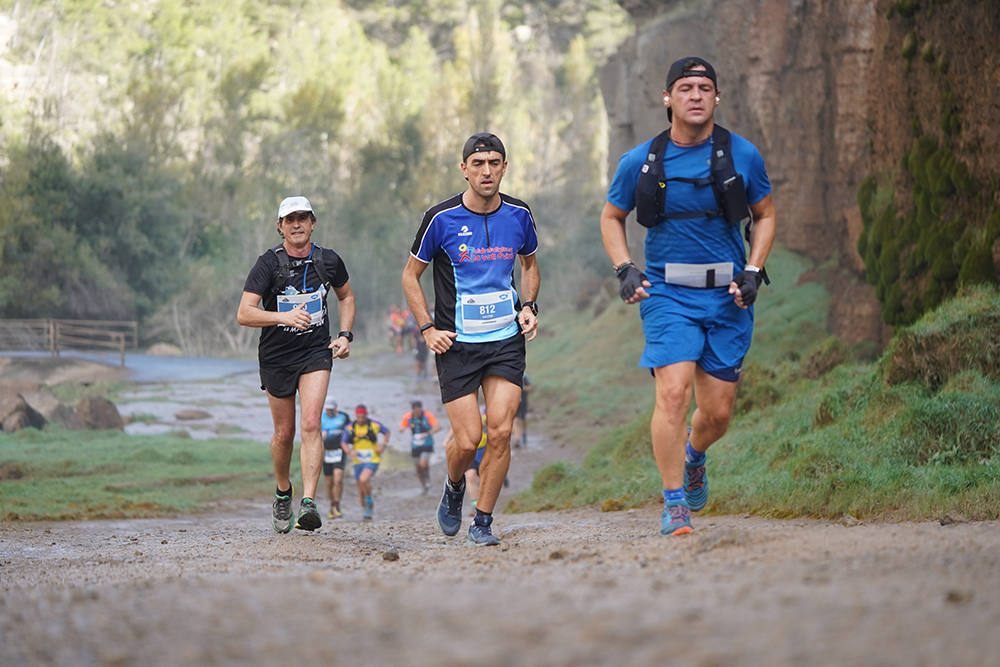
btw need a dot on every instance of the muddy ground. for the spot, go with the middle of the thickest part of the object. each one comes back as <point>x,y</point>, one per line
<point>577,587</point>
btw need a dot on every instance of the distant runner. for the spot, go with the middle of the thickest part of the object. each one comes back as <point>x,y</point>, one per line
<point>480,322</point>
<point>361,438</point>
<point>422,425</point>
<point>295,348</point>
<point>333,424</point>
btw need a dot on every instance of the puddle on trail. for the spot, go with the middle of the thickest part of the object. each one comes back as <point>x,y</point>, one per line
<point>237,407</point>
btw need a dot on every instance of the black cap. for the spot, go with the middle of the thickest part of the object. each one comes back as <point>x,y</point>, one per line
<point>689,66</point>
<point>416,404</point>
<point>483,141</point>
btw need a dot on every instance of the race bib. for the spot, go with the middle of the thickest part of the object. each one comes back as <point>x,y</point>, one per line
<point>312,300</point>
<point>333,455</point>
<point>482,313</point>
<point>419,440</point>
<point>364,455</point>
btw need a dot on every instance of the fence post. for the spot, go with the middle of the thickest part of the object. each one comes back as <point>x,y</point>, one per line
<point>51,328</point>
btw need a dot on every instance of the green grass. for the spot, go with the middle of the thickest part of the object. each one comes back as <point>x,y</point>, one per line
<point>820,428</point>
<point>59,474</point>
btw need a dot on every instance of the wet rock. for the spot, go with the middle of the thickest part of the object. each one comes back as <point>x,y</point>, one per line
<point>99,413</point>
<point>390,555</point>
<point>187,415</point>
<point>54,410</point>
<point>949,519</point>
<point>15,414</point>
<point>164,350</point>
<point>954,596</point>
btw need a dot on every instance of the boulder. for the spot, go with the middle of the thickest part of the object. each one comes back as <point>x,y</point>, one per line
<point>164,350</point>
<point>15,414</point>
<point>99,413</point>
<point>54,410</point>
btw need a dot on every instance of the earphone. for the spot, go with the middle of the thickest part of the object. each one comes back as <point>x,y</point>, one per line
<point>716,100</point>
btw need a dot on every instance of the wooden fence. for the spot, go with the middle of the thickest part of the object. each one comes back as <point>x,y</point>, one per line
<point>56,335</point>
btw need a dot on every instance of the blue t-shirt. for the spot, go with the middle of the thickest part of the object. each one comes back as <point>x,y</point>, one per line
<point>333,428</point>
<point>473,255</point>
<point>698,240</point>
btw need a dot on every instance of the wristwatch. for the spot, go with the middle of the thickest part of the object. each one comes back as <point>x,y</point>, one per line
<point>532,305</point>
<point>346,334</point>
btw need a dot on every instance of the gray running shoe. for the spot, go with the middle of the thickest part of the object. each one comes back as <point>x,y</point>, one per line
<point>308,516</point>
<point>281,512</point>
<point>481,536</point>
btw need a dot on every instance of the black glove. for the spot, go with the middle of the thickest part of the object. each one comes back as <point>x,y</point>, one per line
<point>748,282</point>
<point>631,279</point>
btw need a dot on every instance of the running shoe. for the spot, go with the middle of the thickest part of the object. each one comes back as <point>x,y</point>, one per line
<point>308,516</point>
<point>281,512</point>
<point>449,513</point>
<point>676,519</point>
<point>481,536</point>
<point>369,508</point>
<point>695,485</point>
<point>335,513</point>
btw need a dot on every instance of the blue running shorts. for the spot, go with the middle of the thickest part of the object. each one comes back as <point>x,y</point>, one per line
<point>700,325</point>
<point>358,467</point>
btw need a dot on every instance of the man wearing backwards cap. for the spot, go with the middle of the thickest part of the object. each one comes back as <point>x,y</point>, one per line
<point>481,321</point>
<point>291,281</point>
<point>696,293</point>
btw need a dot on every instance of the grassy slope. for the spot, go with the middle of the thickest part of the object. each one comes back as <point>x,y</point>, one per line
<point>817,432</point>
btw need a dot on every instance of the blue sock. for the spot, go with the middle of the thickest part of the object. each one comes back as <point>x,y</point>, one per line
<point>691,455</point>
<point>673,495</point>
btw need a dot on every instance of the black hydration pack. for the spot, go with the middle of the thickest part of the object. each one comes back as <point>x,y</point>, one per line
<point>285,268</point>
<point>727,186</point>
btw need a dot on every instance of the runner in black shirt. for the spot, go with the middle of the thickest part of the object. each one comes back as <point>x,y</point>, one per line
<point>291,282</point>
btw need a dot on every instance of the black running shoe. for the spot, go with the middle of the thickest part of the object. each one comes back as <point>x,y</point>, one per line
<point>308,516</point>
<point>281,513</point>
<point>449,512</point>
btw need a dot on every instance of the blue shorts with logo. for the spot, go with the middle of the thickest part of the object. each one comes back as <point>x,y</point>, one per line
<point>700,325</point>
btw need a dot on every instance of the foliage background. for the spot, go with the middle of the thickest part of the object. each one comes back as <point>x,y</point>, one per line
<point>145,151</point>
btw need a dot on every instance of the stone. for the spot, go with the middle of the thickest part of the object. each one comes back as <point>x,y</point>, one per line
<point>15,414</point>
<point>99,413</point>
<point>187,415</point>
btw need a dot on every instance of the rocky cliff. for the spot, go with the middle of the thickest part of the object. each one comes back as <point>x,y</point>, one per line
<point>822,90</point>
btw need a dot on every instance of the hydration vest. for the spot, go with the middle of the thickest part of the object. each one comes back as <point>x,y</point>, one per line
<point>727,186</point>
<point>285,268</point>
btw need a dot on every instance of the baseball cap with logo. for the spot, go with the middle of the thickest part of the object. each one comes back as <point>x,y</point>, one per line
<point>685,67</point>
<point>483,141</point>
<point>330,404</point>
<point>292,205</point>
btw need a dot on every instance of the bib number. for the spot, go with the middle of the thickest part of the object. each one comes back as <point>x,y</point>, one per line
<point>333,455</point>
<point>419,440</point>
<point>364,455</point>
<point>482,313</point>
<point>313,304</point>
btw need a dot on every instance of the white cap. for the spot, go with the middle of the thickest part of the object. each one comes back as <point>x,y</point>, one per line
<point>293,204</point>
<point>330,404</point>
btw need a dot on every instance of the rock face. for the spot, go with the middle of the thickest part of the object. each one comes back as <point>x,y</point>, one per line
<point>821,89</point>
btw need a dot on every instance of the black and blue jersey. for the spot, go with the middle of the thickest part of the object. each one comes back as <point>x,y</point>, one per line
<point>473,256</point>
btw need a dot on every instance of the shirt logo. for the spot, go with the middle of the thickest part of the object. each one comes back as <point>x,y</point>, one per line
<point>465,231</point>
<point>464,256</point>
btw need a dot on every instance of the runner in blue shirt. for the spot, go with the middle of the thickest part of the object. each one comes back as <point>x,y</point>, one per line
<point>332,423</point>
<point>480,321</point>
<point>699,286</point>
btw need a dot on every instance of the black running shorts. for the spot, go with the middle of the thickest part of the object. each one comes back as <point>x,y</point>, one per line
<point>282,382</point>
<point>462,368</point>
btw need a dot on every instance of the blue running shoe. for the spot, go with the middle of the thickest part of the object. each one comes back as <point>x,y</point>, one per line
<point>676,520</point>
<point>481,536</point>
<point>449,514</point>
<point>695,485</point>
<point>369,509</point>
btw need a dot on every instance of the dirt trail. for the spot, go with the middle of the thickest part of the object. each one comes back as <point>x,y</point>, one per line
<point>577,587</point>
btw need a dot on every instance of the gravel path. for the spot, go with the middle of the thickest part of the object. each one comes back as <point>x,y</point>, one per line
<point>577,587</point>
